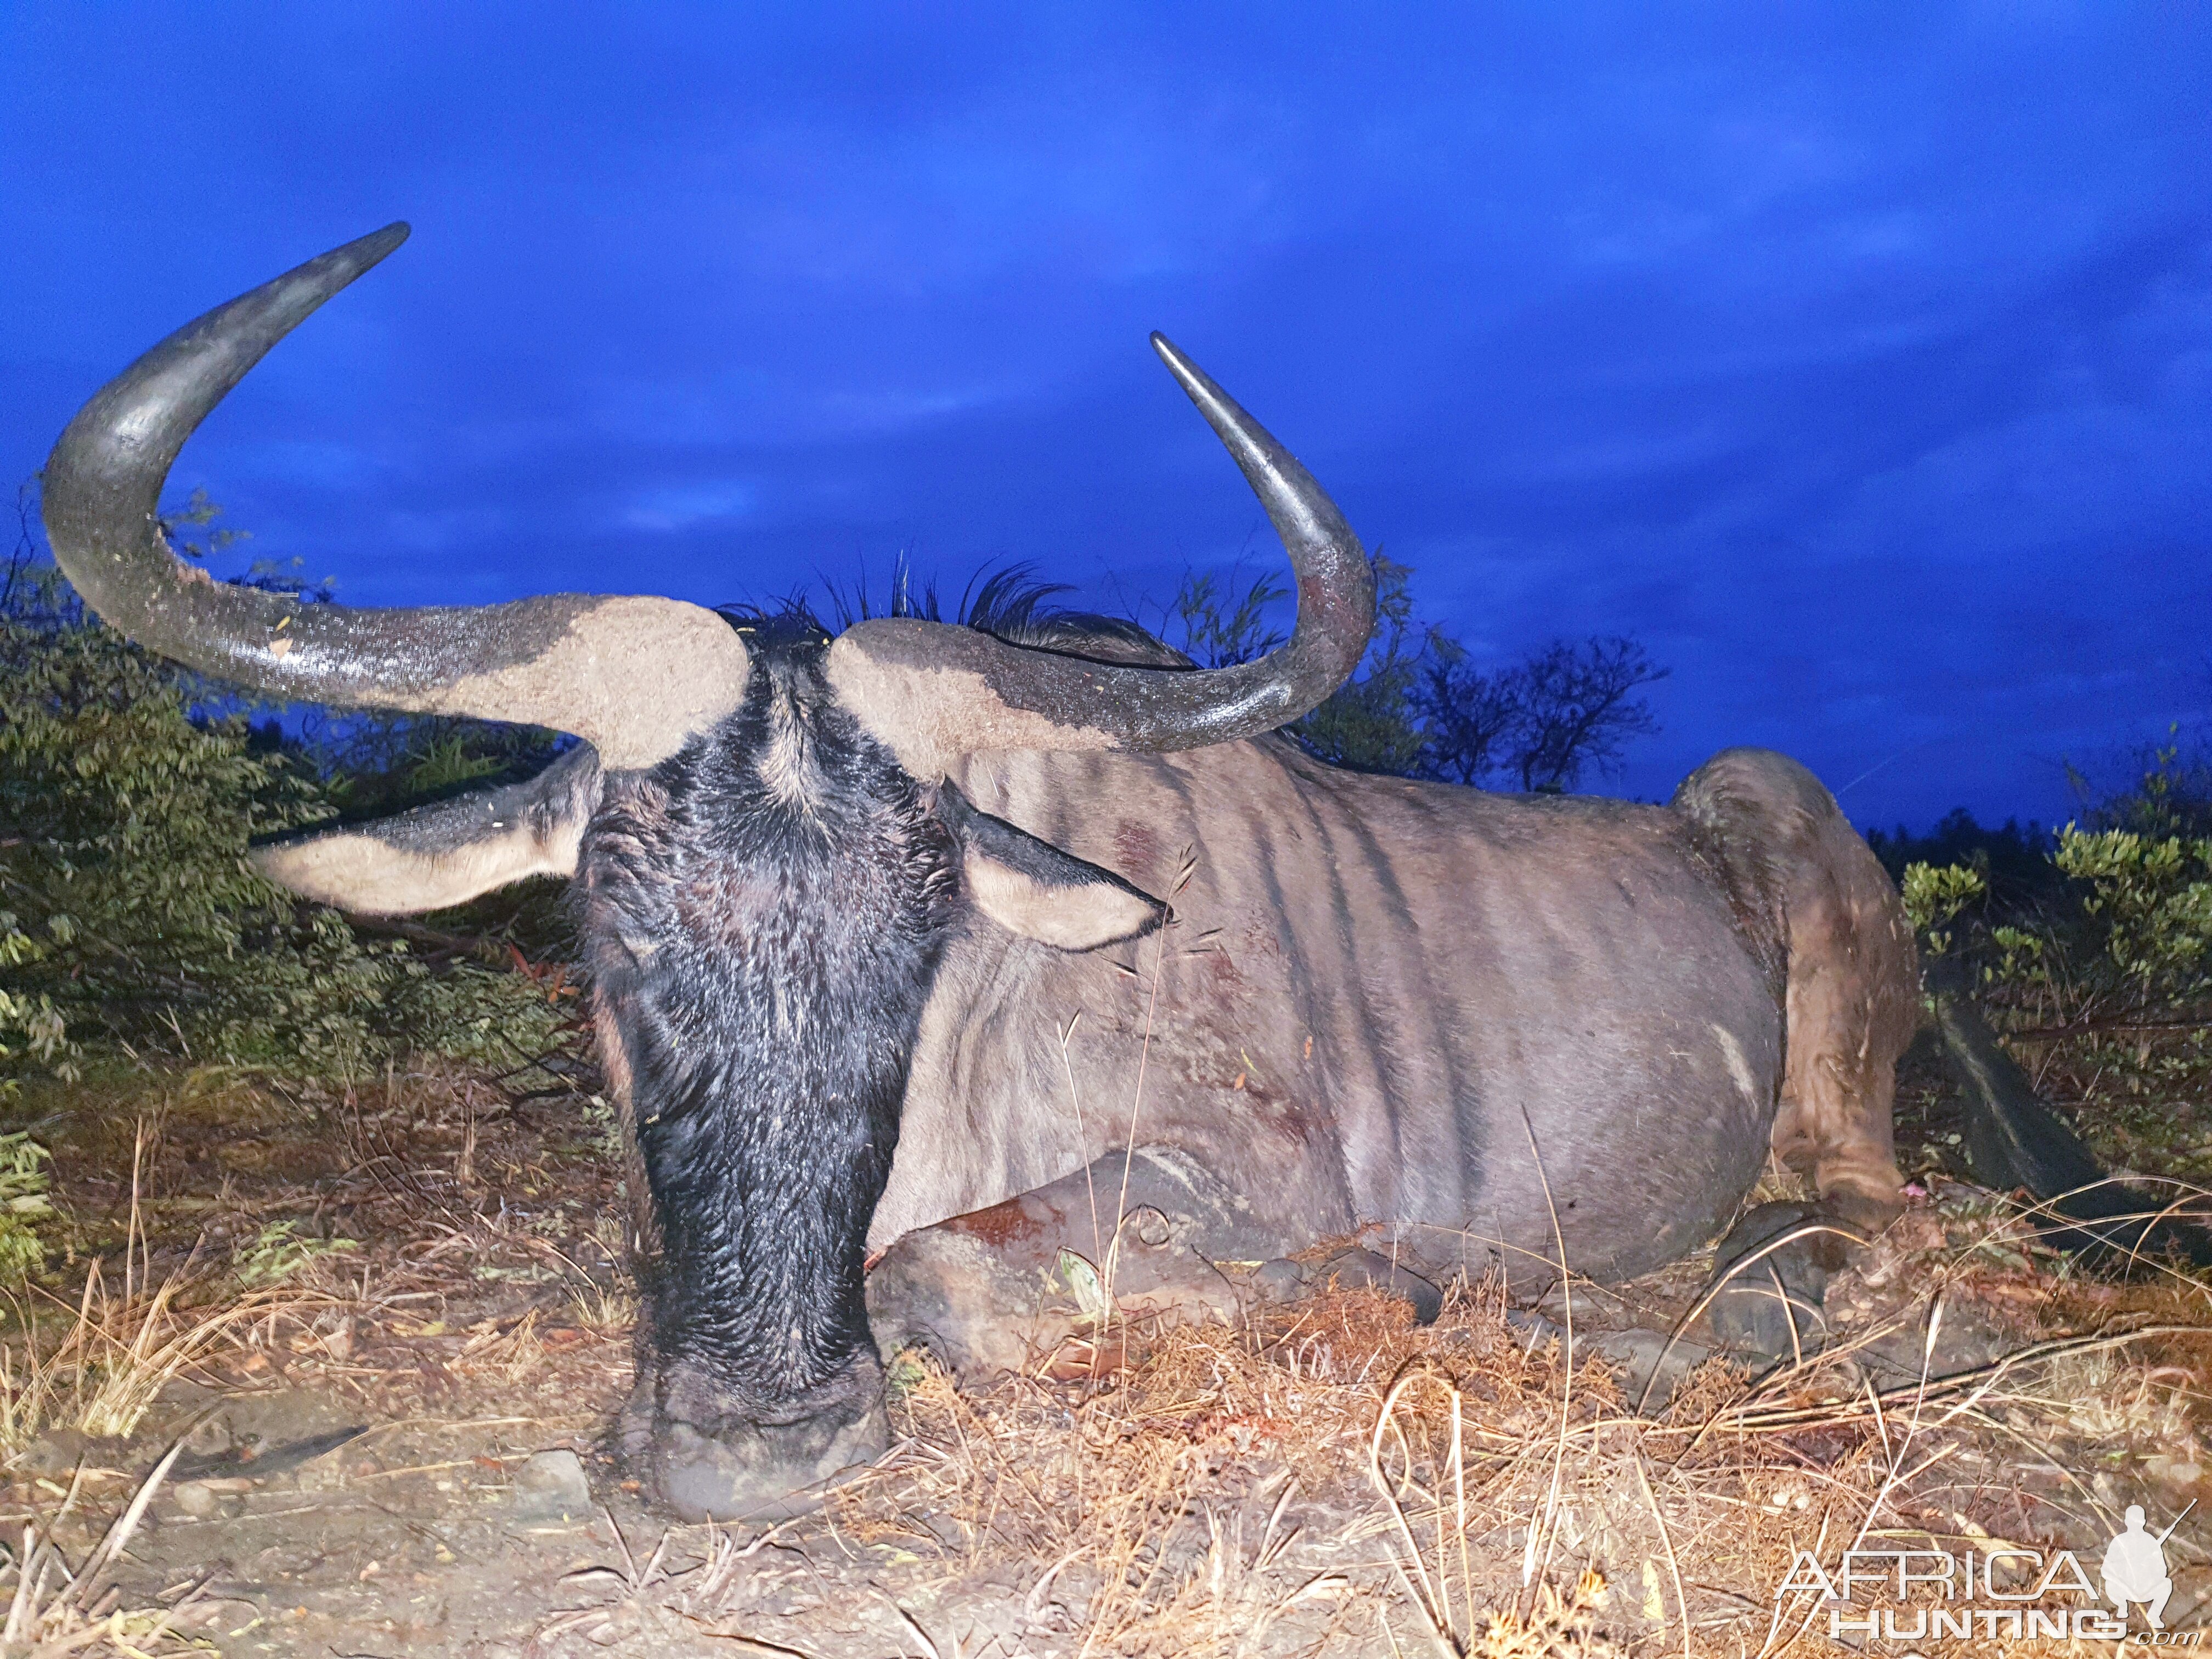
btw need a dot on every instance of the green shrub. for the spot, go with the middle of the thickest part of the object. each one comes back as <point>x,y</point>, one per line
<point>1934,896</point>
<point>128,915</point>
<point>2146,911</point>
<point>2014,858</point>
<point>2168,791</point>
<point>2132,937</point>
<point>23,1204</point>
<point>2101,975</point>
<point>1372,722</point>
<point>279,1250</point>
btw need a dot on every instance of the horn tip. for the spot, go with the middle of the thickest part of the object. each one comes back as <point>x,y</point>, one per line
<point>349,261</point>
<point>1188,375</point>
<point>378,243</point>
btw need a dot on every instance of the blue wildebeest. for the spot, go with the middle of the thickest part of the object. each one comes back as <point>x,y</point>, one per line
<point>875,931</point>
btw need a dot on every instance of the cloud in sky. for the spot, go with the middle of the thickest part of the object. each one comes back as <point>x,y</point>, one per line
<point>1860,364</point>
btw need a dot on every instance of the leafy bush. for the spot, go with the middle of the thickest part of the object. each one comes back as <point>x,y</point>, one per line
<point>2167,792</point>
<point>2124,933</point>
<point>2100,975</point>
<point>1934,895</point>
<point>128,916</point>
<point>371,764</point>
<point>23,1203</point>
<point>2013,859</point>
<point>279,1250</point>
<point>30,1016</point>
<point>2147,916</point>
<point>1372,722</point>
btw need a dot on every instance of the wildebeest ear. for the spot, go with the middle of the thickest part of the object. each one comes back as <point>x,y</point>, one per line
<point>447,852</point>
<point>1031,888</point>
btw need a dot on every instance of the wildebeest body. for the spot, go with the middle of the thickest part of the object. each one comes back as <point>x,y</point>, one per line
<point>893,935</point>
<point>1369,981</point>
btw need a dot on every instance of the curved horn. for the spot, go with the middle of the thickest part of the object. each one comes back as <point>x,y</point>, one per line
<point>632,675</point>
<point>933,692</point>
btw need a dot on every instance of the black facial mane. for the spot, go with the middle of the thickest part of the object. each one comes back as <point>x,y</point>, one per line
<point>763,916</point>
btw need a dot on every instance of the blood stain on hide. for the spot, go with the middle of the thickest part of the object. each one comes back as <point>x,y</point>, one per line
<point>998,1226</point>
<point>1138,849</point>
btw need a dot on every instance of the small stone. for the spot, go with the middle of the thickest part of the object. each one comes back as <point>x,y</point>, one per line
<point>2175,1472</point>
<point>1587,1306</point>
<point>196,1498</point>
<point>55,1453</point>
<point>1280,1280</point>
<point>551,1486</point>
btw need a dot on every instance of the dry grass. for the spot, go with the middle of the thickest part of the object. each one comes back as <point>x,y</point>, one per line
<point>53,1609</point>
<point>118,1354</point>
<point>1327,1479</point>
<point>659,1601</point>
<point>121,1348</point>
<point>1212,1496</point>
<point>472,1243</point>
<point>1334,1477</point>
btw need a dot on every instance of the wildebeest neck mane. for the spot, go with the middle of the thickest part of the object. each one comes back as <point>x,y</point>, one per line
<point>1013,604</point>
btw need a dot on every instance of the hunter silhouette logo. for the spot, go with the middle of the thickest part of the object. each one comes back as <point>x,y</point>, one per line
<point>2134,1567</point>
<point>2000,1589</point>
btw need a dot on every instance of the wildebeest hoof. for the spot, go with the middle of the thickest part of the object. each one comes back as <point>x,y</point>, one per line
<point>1766,1287</point>
<point>1868,1213</point>
<point>713,1459</point>
<point>1285,1280</point>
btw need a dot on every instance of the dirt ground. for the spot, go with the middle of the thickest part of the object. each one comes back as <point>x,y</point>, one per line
<point>379,1330</point>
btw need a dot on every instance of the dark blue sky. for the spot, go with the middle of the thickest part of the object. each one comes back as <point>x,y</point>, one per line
<point>1858,360</point>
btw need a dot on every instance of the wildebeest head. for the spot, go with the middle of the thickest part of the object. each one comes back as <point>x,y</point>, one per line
<point>768,852</point>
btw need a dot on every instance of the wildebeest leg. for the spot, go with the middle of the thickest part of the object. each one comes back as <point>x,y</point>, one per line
<point>1851,1010</point>
<point>987,1291</point>
<point>1808,890</point>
